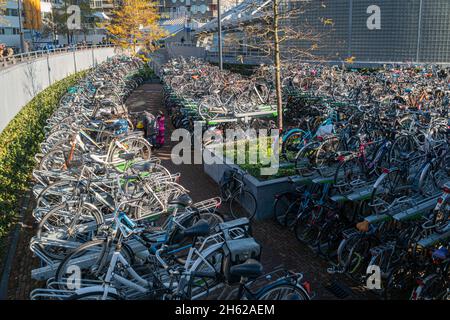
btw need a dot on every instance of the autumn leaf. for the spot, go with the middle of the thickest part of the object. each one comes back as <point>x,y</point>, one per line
<point>328,22</point>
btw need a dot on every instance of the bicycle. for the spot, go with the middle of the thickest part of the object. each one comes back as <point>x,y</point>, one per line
<point>242,203</point>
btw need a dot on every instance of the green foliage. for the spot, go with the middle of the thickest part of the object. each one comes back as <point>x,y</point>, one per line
<point>19,142</point>
<point>146,72</point>
<point>254,169</point>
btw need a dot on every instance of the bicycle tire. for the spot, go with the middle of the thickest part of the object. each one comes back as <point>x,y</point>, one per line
<point>243,204</point>
<point>282,291</point>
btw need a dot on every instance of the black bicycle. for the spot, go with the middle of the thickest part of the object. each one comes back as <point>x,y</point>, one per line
<point>242,203</point>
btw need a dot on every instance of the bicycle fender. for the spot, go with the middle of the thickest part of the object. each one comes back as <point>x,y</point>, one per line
<point>98,288</point>
<point>379,180</point>
<point>291,132</point>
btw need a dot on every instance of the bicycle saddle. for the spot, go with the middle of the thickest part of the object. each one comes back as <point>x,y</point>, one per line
<point>184,200</point>
<point>144,166</point>
<point>249,269</point>
<point>201,228</point>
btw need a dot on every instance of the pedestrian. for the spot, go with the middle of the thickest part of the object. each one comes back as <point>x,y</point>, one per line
<point>161,129</point>
<point>9,53</point>
<point>2,48</point>
<point>182,40</point>
<point>150,130</point>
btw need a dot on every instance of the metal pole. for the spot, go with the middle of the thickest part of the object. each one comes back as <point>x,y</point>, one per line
<point>219,34</point>
<point>19,11</point>
<point>350,28</point>
<point>74,60</point>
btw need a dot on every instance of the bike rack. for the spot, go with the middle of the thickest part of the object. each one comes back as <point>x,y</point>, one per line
<point>48,271</point>
<point>435,238</point>
<point>361,194</point>
<point>425,206</point>
<point>422,206</point>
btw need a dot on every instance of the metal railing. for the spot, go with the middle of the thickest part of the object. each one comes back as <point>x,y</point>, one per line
<point>33,55</point>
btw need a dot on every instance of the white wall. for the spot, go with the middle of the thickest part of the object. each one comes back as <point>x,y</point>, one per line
<point>21,82</point>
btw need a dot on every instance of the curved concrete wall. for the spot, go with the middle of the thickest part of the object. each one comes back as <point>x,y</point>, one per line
<point>21,82</point>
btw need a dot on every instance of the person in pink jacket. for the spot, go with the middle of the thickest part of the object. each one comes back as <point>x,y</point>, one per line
<point>161,130</point>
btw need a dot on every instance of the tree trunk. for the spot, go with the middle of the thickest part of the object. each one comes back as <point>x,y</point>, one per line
<point>277,65</point>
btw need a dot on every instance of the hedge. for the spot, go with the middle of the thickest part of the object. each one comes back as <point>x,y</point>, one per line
<point>19,142</point>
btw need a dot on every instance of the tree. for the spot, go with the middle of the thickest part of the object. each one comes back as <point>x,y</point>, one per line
<point>278,32</point>
<point>135,23</point>
<point>2,9</point>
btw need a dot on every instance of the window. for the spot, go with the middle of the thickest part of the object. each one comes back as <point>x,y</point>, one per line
<point>9,31</point>
<point>12,12</point>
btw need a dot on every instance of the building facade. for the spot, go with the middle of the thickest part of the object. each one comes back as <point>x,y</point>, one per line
<point>199,10</point>
<point>9,24</point>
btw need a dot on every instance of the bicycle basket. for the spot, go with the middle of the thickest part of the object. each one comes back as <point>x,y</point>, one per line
<point>236,252</point>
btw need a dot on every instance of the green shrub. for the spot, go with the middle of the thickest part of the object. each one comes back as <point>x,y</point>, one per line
<point>146,72</point>
<point>19,142</point>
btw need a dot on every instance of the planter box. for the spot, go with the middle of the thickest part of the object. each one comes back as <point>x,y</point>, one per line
<point>264,191</point>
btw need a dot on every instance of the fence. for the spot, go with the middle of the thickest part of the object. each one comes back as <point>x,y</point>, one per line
<point>34,72</point>
<point>367,30</point>
<point>25,57</point>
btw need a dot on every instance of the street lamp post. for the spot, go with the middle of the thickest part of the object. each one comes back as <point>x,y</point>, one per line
<point>219,34</point>
<point>19,14</point>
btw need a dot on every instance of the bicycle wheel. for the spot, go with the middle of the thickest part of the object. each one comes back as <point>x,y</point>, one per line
<point>291,145</point>
<point>400,283</point>
<point>100,295</point>
<point>243,204</point>
<point>281,206</point>
<point>140,147</point>
<point>329,237</point>
<point>302,229</point>
<point>56,193</point>
<point>305,159</point>
<point>386,189</point>
<point>201,286</point>
<point>283,291</point>
<point>54,160</point>
<point>92,258</point>
<point>208,108</point>
<point>349,174</point>
<point>326,156</point>
<point>403,149</point>
<point>68,222</point>
<point>353,254</point>
<point>434,287</point>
